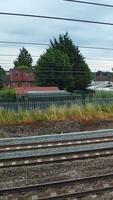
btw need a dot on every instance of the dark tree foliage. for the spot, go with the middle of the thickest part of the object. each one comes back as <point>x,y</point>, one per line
<point>52,69</point>
<point>24,59</point>
<point>2,77</point>
<point>81,74</point>
<point>78,75</point>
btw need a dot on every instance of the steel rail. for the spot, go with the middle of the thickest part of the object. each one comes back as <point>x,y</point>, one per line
<point>37,160</point>
<point>52,154</point>
<point>56,137</point>
<point>56,152</point>
<point>56,183</point>
<point>79,194</point>
<point>56,144</point>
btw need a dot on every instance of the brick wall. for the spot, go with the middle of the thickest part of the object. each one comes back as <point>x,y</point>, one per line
<point>21,77</point>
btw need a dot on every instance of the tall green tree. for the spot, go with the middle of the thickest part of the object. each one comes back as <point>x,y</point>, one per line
<point>24,59</point>
<point>52,68</point>
<point>79,74</point>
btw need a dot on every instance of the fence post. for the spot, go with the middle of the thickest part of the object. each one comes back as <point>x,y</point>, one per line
<point>83,99</point>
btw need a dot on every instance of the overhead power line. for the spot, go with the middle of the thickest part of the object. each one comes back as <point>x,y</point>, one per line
<point>87,59</point>
<point>91,3</point>
<point>94,47</point>
<point>7,55</point>
<point>13,55</point>
<point>6,63</point>
<point>34,56</point>
<point>56,18</point>
<point>65,71</point>
<point>29,43</point>
<point>11,64</point>
<point>46,44</point>
<point>100,59</point>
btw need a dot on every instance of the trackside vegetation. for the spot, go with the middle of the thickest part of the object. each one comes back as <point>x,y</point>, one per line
<point>87,113</point>
<point>103,94</point>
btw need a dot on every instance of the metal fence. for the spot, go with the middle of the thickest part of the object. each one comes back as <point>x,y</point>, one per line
<point>29,104</point>
<point>39,102</point>
<point>99,101</point>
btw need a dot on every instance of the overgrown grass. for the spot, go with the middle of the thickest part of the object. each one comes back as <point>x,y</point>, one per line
<point>103,94</point>
<point>80,113</point>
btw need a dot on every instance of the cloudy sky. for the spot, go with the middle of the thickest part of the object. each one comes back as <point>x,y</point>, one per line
<point>37,30</point>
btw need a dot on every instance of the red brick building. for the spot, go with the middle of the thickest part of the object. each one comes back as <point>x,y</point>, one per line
<point>21,77</point>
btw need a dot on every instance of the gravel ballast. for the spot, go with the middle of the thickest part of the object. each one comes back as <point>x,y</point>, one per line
<point>13,177</point>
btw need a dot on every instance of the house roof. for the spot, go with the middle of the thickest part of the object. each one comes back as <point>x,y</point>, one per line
<point>24,90</point>
<point>101,85</point>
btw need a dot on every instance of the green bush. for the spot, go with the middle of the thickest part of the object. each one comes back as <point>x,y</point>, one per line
<point>7,94</point>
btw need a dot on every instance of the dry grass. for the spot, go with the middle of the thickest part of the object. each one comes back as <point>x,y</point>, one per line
<point>80,113</point>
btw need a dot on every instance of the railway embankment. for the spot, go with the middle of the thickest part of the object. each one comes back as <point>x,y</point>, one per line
<point>52,127</point>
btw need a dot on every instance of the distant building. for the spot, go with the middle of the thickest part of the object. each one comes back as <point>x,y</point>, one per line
<point>21,77</point>
<point>7,82</point>
<point>104,76</point>
<point>101,85</point>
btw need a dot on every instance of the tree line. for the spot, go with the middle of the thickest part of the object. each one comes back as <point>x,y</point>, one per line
<point>61,65</point>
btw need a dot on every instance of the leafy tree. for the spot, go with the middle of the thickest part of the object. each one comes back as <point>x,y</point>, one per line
<point>24,59</point>
<point>52,68</point>
<point>79,74</point>
<point>2,77</point>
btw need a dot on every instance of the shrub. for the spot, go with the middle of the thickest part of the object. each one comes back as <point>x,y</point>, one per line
<point>7,94</point>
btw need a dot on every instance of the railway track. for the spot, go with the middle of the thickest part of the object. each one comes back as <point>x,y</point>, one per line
<point>28,151</point>
<point>38,145</point>
<point>41,188</point>
<point>57,140</point>
<point>60,155</point>
<point>57,148</point>
<point>40,142</point>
